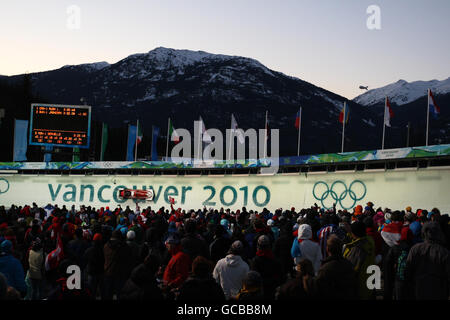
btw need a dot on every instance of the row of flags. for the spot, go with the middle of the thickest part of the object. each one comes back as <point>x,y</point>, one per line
<point>388,115</point>
<point>135,133</point>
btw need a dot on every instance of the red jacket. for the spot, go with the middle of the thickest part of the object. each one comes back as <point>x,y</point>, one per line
<point>177,269</point>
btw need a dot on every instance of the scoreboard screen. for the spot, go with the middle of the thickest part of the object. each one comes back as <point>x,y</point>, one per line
<point>60,125</point>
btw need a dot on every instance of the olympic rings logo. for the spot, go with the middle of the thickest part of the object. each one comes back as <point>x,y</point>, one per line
<point>331,191</point>
<point>4,185</point>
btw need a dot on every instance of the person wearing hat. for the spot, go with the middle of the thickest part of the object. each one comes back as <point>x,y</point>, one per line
<point>275,230</point>
<point>95,260</point>
<point>267,266</point>
<point>299,286</point>
<point>117,264</point>
<point>230,271</point>
<point>304,247</point>
<point>218,248</point>
<point>133,247</point>
<point>427,269</point>
<point>361,253</point>
<point>11,268</point>
<point>394,264</point>
<point>178,268</point>
<point>36,270</point>
<point>336,279</point>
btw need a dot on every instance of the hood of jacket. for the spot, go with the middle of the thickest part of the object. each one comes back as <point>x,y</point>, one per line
<point>233,260</point>
<point>304,232</point>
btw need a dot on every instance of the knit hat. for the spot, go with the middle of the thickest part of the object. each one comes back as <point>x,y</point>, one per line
<point>406,235</point>
<point>173,239</point>
<point>236,248</point>
<point>263,242</point>
<point>98,237</point>
<point>6,247</point>
<point>358,209</point>
<point>131,235</point>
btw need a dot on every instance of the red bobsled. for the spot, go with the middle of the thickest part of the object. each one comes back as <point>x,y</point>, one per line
<point>136,194</point>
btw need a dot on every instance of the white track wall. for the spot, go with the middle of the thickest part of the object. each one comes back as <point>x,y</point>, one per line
<point>425,189</point>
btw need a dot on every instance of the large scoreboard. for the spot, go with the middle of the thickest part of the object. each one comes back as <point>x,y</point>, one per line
<point>60,125</point>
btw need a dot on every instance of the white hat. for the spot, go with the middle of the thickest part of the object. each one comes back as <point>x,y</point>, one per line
<point>270,222</point>
<point>131,235</point>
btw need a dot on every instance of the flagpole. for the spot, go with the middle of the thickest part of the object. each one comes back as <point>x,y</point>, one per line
<point>231,138</point>
<point>428,116</point>
<point>343,126</point>
<point>167,144</point>
<point>299,129</point>
<point>265,136</point>
<point>128,139</point>
<point>384,122</point>
<point>135,141</point>
<point>201,138</point>
<point>151,145</point>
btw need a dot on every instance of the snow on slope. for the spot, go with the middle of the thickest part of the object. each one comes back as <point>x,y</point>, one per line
<point>403,92</point>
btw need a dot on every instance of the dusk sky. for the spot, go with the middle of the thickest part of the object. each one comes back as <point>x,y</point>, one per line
<point>325,42</point>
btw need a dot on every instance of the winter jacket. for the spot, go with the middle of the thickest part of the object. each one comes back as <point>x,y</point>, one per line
<point>303,247</point>
<point>281,250</point>
<point>194,246</point>
<point>292,290</point>
<point>377,239</point>
<point>229,272</point>
<point>13,271</point>
<point>361,253</point>
<point>270,270</point>
<point>219,248</point>
<point>428,271</point>
<point>117,259</point>
<point>36,264</point>
<point>177,270</point>
<point>134,253</point>
<point>95,259</point>
<point>198,289</point>
<point>393,273</point>
<point>336,279</point>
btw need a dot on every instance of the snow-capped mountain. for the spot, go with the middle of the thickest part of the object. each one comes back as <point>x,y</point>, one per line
<point>184,84</point>
<point>403,92</point>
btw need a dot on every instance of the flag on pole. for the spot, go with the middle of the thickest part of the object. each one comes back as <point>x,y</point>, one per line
<point>104,141</point>
<point>173,135</point>
<point>267,126</point>
<point>297,120</point>
<point>131,142</point>
<point>139,135</point>
<point>155,134</point>
<point>234,127</point>
<point>206,136</point>
<point>435,110</point>
<point>388,114</point>
<point>48,153</point>
<point>344,112</point>
<point>20,140</point>
<point>54,258</point>
<point>76,155</point>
